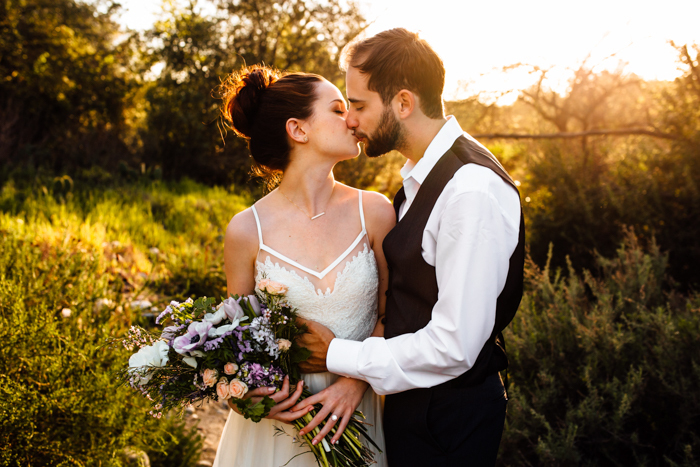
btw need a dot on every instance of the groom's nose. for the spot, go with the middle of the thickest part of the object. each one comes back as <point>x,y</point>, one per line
<point>351,120</point>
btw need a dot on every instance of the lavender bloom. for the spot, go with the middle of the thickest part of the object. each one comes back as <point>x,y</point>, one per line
<point>196,337</point>
<point>165,313</point>
<point>215,343</point>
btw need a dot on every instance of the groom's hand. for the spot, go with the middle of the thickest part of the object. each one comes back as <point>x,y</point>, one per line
<point>317,341</point>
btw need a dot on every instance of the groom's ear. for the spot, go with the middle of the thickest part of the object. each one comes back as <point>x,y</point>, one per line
<point>405,103</point>
<point>295,130</point>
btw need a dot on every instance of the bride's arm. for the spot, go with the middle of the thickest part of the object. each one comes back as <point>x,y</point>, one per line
<point>240,252</point>
<point>344,396</point>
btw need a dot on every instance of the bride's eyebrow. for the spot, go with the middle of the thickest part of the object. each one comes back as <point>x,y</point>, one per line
<point>338,100</point>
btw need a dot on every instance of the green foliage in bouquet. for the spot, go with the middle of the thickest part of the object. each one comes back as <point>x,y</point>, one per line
<point>604,370</point>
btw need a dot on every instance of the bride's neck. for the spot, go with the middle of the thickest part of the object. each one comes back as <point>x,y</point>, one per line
<point>309,185</point>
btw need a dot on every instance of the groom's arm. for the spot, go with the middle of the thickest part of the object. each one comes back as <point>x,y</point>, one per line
<point>476,237</point>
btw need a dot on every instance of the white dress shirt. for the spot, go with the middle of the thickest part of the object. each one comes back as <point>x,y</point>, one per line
<point>470,236</point>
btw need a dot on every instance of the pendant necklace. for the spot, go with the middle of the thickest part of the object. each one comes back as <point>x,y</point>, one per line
<point>304,212</point>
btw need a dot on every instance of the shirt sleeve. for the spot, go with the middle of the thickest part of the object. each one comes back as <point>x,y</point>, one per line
<point>473,247</point>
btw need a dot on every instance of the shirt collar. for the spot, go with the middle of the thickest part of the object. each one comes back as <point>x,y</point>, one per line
<point>442,142</point>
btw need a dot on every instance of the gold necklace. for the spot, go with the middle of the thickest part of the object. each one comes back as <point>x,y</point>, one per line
<point>304,212</point>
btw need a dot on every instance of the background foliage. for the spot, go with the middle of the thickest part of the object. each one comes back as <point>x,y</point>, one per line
<point>100,126</point>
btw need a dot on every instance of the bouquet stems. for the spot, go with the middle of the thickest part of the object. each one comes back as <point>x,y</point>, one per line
<point>348,451</point>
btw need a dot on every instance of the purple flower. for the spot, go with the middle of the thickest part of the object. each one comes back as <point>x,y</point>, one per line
<point>233,310</point>
<point>253,300</point>
<point>195,337</point>
<point>165,313</point>
<point>169,332</point>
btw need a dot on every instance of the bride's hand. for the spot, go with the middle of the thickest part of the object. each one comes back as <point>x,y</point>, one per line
<point>282,399</point>
<point>340,399</point>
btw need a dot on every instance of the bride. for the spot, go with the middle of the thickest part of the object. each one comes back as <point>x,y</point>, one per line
<point>317,236</point>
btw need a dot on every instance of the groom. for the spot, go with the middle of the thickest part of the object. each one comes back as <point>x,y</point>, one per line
<point>455,265</point>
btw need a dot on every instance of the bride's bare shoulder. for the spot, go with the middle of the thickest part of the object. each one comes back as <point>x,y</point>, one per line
<point>242,232</point>
<point>378,209</point>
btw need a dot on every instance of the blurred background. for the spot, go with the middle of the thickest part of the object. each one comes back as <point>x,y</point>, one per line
<point>117,180</point>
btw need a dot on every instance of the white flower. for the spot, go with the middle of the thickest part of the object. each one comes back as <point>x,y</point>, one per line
<point>155,355</point>
<point>66,312</point>
<point>221,330</point>
<point>216,317</point>
<point>191,361</point>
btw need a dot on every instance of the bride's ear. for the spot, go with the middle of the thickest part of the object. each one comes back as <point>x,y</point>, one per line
<point>295,131</point>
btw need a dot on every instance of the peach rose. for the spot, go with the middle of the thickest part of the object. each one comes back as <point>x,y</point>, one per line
<point>222,389</point>
<point>210,376</point>
<point>230,368</point>
<point>237,388</point>
<point>272,287</point>
<point>283,344</point>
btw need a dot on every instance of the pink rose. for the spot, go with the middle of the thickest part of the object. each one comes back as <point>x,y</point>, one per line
<point>237,389</point>
<point>210,376</point>
<point>272,287</point>
<point>222,389</point>
<point>230,368</point>
<point>283,344</point>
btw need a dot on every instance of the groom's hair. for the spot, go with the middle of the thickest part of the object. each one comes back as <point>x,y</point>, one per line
<point>398,59</point>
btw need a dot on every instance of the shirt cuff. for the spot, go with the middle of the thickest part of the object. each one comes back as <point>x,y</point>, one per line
<point>342,356</point>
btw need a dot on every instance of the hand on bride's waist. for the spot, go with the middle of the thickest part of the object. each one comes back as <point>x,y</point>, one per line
<point>316,340</point>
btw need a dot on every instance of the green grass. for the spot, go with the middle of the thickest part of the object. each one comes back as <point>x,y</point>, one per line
<point>65,250</point>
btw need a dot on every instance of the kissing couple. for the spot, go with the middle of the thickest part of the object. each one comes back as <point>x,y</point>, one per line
<point>407,300</point>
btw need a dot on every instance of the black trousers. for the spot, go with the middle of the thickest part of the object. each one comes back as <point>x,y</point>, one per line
<point>445,426</point>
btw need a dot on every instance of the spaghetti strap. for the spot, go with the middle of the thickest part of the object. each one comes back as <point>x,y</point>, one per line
<point>322,274</point>
<point>257,222</point>
<point>362,213</point>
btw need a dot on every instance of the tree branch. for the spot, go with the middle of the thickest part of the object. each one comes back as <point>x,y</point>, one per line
<point>580,134</point>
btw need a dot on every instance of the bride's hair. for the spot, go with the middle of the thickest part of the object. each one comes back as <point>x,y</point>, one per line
<point>257,102</point>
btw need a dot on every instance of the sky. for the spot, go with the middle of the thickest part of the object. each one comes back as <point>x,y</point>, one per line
<point>476,39</point>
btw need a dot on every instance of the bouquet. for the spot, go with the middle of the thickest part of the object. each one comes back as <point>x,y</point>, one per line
<point>213,352</point>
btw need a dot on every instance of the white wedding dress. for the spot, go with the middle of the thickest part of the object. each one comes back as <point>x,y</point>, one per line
<point>349,310</point>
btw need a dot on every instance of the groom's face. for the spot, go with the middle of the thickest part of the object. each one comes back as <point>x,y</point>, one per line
<point>373,123</point>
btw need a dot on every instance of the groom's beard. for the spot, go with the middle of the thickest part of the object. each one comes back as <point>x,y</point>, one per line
<point>388,136</point>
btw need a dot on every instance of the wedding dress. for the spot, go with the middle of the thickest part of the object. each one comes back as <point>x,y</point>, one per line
<point>349,309</point>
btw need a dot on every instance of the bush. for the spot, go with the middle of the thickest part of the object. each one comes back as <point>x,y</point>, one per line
<point>63,251</point>
<point>605,369</point>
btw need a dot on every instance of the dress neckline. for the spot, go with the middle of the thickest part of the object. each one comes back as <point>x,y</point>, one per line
<point>322,274</point>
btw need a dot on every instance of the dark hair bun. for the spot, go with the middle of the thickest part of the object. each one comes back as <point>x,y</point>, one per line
<point>242,93</point>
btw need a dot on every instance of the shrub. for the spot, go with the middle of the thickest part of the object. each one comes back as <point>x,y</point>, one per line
<point>64,250</point>
<point>604,369</point>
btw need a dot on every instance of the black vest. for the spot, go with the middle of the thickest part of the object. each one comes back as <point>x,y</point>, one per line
<point>413,288</point>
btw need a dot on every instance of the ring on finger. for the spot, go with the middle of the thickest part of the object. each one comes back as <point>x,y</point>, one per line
<point>334,417</point>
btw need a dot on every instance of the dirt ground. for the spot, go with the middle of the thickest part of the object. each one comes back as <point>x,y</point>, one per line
<point>210,419</point>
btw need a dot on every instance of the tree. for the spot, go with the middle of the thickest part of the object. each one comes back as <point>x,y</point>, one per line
<point>183,133</point>
<point>64,83</point>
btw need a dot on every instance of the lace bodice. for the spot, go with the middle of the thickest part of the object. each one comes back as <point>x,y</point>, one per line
<point>350,308</point>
